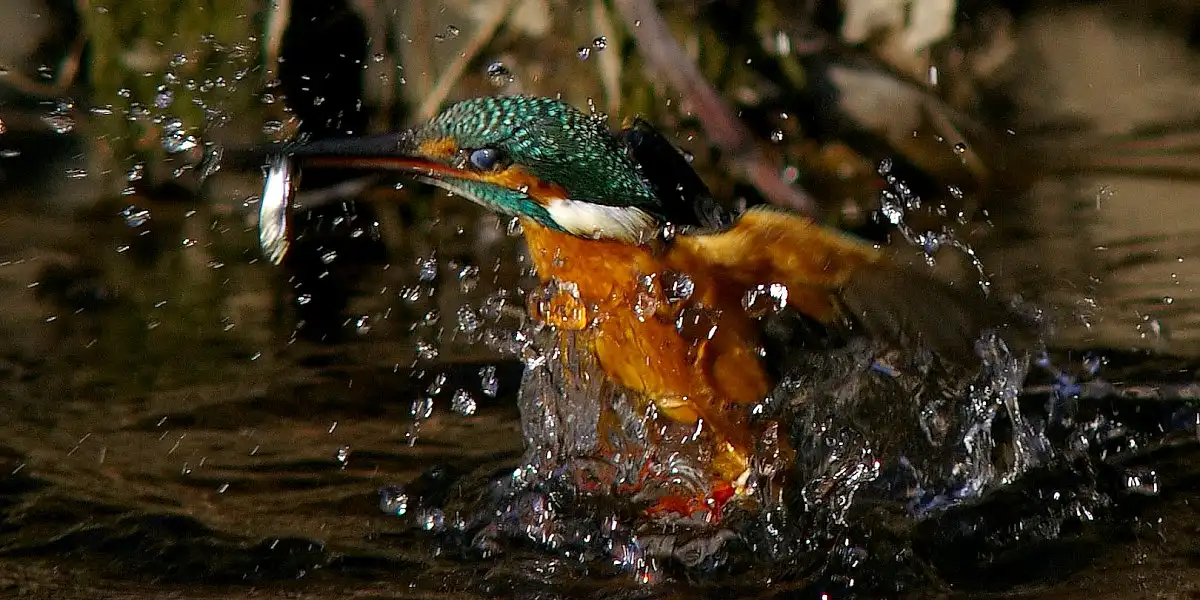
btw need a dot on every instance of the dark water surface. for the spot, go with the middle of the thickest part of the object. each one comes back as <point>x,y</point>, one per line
<point>181,419</point>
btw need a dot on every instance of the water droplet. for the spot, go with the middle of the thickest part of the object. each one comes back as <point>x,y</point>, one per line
<point>583,53</point>
<point>557,304</point>
<point>468,278</point>
<point>134,216</point>
<point>677,287</point>
<point>427,269</point>
<point>600,43</point>
<point>178,60</point>
<point>362,325</point>
<point>763,300</point>
<point>377,57</point>
<point>645,306</point>
<point>59,123</point>
<point>343,455</point>
<point>136,172</point>
<point>272,127</point>
<point>892,212</point>
<point>1142,481</point>
<point>175,137</point>
<point>697,323</point>
<point>777,136</point>
<point>885,166</point>
<point>435,386</point>
<point>319,100</point>
<point>493,305</point>
<point>432,317</point>
<point>164,97</point>
<point>125,93</point>
<point>432,519</point>
<point>393,501</point>
<point>468,321</point>
<point>498,74</point>
<point>930,242</point>
<point>488,382</point>
<point>463,403</point>
<point>450,33</point>
<point>668,232</point>
<point>329,257</point>
<point>9,153</point>
<point>426,350</point>
<point>303,299</point>
<point>960,148</point>
<point>955,192</point>
<point>515,228</point>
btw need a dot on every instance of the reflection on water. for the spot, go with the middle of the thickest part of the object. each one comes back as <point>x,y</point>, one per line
<point>180,417</point>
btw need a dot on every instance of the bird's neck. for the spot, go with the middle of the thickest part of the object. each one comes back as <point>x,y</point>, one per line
<point>598,267</point>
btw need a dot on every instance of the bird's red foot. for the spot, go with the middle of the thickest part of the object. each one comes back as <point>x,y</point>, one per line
<point>713,503</point>
<point>644,475</point>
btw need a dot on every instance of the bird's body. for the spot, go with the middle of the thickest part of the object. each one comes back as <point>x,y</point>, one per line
<point>670,317</point>
<point>641,338</point>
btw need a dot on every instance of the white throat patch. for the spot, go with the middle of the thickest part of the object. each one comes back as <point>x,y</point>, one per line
<point>585,219</point>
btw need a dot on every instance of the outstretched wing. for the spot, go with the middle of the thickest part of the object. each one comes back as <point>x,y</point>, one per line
<point>834,277</point>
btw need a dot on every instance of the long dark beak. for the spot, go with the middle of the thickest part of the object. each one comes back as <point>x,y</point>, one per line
<point>389,152</point>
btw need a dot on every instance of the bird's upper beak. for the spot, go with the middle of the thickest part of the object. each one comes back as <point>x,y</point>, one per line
<point>390,152</point>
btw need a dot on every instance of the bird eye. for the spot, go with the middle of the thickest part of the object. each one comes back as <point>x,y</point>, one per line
<point>485,159</point>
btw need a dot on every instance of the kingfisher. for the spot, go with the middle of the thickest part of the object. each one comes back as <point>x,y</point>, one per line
<point>657,276</point>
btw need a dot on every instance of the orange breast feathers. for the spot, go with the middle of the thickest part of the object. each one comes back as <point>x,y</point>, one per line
<point>697,357</point>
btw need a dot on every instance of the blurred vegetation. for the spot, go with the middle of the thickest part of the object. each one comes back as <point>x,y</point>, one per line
<point>174,70</point>
<point>171,99</point>
<point>167,86</point>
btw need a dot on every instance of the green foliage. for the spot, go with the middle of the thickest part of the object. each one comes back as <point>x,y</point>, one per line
<point>169,67</point>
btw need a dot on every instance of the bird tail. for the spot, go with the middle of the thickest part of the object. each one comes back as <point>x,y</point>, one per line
<point>904,304</point>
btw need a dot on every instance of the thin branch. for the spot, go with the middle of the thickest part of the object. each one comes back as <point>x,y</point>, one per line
<point>663,53</point>
<point>278,16</point>
<point>67,73</point>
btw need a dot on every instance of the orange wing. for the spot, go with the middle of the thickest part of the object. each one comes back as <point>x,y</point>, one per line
<point>831,275</point>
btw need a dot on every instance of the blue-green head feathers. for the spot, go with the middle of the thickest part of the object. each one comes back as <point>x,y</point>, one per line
<point>542,159</point>
<point>553,141</point>
<point>606,194</point>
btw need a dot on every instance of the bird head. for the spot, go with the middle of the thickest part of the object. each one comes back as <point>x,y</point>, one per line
<point>537,158</point>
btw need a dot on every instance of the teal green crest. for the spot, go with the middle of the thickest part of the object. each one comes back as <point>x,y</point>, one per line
<point>554,142</point>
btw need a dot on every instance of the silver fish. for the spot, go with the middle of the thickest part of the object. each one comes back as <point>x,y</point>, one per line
<point>274,210</point>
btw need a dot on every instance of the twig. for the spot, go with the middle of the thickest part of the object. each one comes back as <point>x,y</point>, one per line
<point>278,16</point>
<point>67,73</point>
<point>660,50</point>
<point>432,102</point>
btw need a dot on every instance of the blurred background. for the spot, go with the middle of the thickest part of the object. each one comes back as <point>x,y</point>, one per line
<point>174,406</point>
